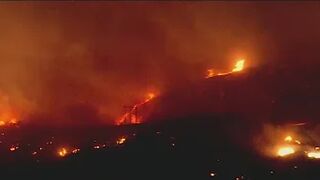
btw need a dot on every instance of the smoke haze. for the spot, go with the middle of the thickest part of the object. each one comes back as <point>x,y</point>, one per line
<point>83,61</point>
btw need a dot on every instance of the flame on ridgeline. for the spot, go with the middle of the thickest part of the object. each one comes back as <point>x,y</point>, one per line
<point>210,73</point>
<point>237,67</point>
<point>131,116</point>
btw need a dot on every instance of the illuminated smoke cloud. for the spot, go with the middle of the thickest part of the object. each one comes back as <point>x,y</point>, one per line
<point>58,59</point>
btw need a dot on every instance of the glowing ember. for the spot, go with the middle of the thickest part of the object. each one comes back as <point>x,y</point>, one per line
<point>150,96</point>
<point>212,174</point>
<point>75,151</point>
<point>288,139</point>
<point>210,73</point>
<point>131,115</point>
<point>96,147</point>
<point>62,152</point>
<point>284,151</point>
<point>297,141</point>
<point>121,140</point>
<point>13,149</point>
<point>314,154</point>
<point>13,121</point>
<point>34,153</point>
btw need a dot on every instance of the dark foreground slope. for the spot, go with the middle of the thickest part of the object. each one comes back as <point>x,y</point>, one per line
<point>194,149</point>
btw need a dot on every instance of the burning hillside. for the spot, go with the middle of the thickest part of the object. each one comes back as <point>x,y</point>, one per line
<point>117,90</point>
<point>132,117</point>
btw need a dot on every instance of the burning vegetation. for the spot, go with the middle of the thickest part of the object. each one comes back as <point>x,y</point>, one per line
<point>287,148</point>
<point>239,66</point>
<point>314,154</point>
<point>77,64</point>
<point>284,151</point>
<point>8,117</point>
<point>62,152</point>
<point>121,140</point>
<point>286,142</point>
<point>294,145</point>
<point>132,117</point>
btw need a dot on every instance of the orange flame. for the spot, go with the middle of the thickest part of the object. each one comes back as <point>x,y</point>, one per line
<point>210,73</point>
<point>239,66</point>
<point>131,115</point>
<point>121,140</point>
<point>314,154</point>
<point>62,152</point>
<point>291,146</point>
<point>8,114</point>
<point>6,119</point>
<point>2,123</point>
<point>288,139</point>
<point>285,151</point>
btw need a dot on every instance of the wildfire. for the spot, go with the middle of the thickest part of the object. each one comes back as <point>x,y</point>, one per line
<point>284,151</point>
<point>6,121</point>
<point>13,121</point>
<point>293,145</point>
<point>287,149</point>
<point>239,66</point>
<point>121,140</point>
<point>210,73</point>
<point>131,115</point>
<point>288,139</point>
<point>8,113</point>
<point>314,154</point>
<point>62,152</point>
